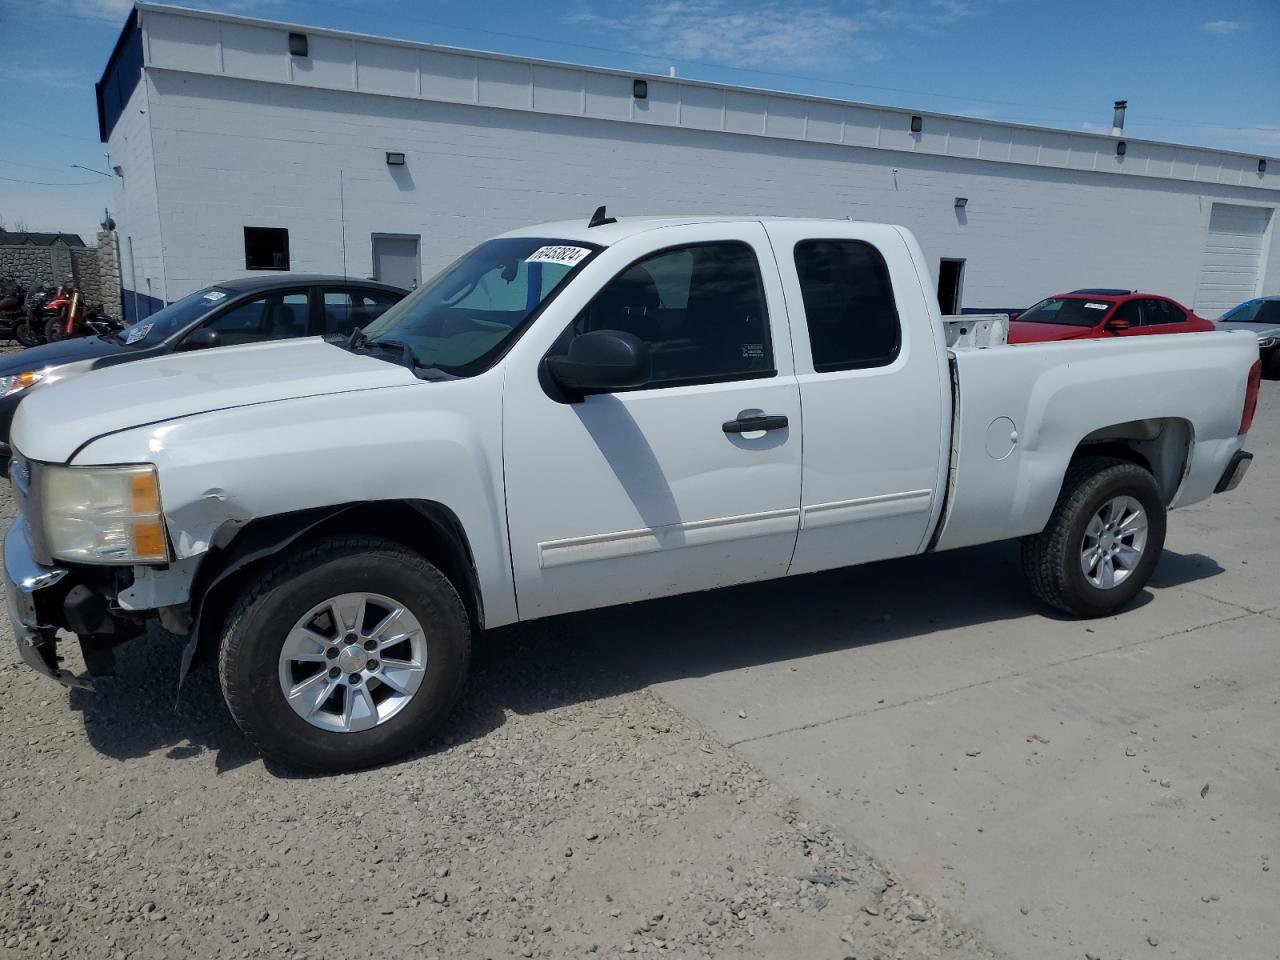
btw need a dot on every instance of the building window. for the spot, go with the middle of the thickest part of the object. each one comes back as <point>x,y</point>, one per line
<point>266,248</point>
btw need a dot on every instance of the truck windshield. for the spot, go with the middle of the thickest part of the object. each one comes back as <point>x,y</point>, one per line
<point>163,324</point>
<point>1073,312</point>
<point>466,316</point>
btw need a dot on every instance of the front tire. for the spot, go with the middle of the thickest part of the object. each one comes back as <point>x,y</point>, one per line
<point>346,653</point>
<point>25,333</point>
<point>1102,541</point>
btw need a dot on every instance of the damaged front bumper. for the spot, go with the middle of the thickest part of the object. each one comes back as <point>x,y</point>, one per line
<point>24,578</point>
<point>86,601</point>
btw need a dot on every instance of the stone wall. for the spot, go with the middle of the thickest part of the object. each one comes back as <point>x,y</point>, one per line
<point>96,270</point>
<point>109,288</point>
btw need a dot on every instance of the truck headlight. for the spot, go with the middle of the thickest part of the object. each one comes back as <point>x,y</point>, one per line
<point>102,514</point>
<point>18,382</point>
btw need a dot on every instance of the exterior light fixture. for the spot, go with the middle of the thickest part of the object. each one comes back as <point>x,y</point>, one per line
<point>1262,166</point>
<point>640,89</point>
<point>297,44</point>
<point>1121,148</point>
<point>917,123</point>
<point>961,202</point>
<point>395,159</point>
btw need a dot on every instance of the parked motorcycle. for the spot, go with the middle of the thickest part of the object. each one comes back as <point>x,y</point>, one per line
<point>30,331</point>
<point>13,298</point>
<point>69,316</point>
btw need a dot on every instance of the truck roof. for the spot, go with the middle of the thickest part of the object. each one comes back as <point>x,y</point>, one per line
<point>607,234</point>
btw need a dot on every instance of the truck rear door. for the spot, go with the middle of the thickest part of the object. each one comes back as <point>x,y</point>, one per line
<point>874,389</point>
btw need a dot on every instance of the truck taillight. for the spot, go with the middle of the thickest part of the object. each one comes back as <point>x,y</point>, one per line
<point>1251,397</point>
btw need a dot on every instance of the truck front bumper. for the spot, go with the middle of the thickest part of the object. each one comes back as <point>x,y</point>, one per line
<point>23,579</point>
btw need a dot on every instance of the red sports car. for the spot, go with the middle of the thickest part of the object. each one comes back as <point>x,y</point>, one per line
<point>1085,314</point>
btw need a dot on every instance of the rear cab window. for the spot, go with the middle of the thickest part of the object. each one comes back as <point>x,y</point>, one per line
<point>849,306</point>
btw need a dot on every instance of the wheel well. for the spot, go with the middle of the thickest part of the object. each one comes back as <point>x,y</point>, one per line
<point>426,527</point>
<point>1161,446</point>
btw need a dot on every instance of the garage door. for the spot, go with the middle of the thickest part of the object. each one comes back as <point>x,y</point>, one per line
<point>1232,257</point>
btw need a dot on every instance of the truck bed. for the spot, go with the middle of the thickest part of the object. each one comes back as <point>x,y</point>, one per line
<point>1177,399</point>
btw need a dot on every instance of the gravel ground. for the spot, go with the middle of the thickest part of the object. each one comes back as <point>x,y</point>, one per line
<point>566,812</point>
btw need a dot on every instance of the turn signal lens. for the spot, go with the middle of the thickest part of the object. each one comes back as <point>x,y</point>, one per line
<point>19,382</point>
<point>144,493</point>
<point>148,540</point>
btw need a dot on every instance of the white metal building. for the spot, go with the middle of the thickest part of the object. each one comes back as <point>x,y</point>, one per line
<point>244,144</point>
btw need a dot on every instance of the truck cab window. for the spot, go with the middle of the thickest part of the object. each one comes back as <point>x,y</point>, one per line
<point>848,305</point>
<point>700,308</point>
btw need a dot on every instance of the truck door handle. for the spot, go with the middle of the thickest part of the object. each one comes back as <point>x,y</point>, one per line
<point>752,424</point>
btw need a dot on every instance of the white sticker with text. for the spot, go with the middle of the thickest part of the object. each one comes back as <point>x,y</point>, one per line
<point>213,296</point>
<point>1096,306</point>
<point>567,256</point>
<point>138,332</point>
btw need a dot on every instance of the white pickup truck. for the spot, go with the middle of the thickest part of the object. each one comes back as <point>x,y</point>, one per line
<point>575,415</point>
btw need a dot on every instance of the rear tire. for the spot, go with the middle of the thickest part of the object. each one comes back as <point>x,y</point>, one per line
<point>1102,541</point>
<point>254,664</point>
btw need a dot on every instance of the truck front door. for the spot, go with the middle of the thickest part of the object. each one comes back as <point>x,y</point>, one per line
<point>654,491</point>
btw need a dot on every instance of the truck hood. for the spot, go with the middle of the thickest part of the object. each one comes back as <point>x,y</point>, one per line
<point>1031,332</point>
<point>55,421</point>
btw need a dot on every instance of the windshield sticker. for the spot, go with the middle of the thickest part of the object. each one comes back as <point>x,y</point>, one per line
<point>567,256</point>
<point>137,333</point>
<point>213,296</point>
<point>1096,306</point>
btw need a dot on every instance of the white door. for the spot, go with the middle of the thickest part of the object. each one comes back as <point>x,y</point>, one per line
<point>644,492</point>
<point>1233,254</point>
<point>875,392</point>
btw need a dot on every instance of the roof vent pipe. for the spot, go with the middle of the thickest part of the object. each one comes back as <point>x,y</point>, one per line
<point>1117,122</point>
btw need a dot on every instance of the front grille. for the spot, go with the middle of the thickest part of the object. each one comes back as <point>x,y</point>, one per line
<point>26,498</point>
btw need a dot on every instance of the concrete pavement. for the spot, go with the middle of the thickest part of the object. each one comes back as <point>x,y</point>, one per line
<point>1041,777</point>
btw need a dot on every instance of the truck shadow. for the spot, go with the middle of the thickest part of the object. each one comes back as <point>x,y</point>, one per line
<point>530,668</point>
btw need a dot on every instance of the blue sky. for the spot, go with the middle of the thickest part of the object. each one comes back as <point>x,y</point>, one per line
<point>1201,73</point>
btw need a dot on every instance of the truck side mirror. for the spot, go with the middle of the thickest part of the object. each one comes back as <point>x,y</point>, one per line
<point>600,362</point>
<point>201,339</point>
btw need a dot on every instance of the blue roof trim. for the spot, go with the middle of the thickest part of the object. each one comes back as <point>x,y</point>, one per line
<point>120,78</point>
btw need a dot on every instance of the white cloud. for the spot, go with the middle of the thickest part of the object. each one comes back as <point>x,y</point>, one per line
<point>1223,27</point>
<point>777,34</point>
<point>768,34</point>
<point>113,11</point>
<point>64,78</point>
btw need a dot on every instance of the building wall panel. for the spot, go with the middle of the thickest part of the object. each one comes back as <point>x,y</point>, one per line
<point>231,153</point>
